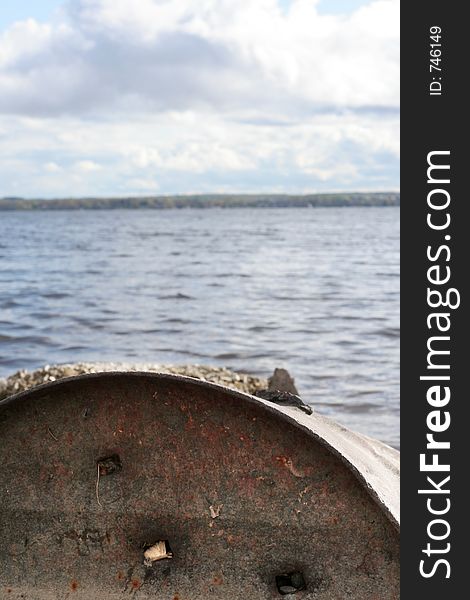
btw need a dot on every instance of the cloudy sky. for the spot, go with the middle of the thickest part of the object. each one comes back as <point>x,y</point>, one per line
<point>114,97</point>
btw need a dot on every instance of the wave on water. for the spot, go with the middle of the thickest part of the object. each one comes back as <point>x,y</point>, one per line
<point>258,289</point>
<point>177,296</point>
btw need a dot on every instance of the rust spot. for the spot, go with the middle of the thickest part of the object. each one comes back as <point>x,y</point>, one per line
<point>334,520</point>
<point>120,576</point>
<point>248,485</point>
<point>8,591</point>
<point>189,423</point>
<point>135,584</point>
<point>176,597</point>
<point>287,462</point>
<point>61,471</point>
<point>74,585</point>
<point>217,580</point>
<point>233,539</point>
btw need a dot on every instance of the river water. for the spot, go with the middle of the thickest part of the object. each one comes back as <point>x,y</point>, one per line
<point>313,290</point>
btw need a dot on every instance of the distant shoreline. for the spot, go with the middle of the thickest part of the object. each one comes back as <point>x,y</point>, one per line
<point>203,201</point>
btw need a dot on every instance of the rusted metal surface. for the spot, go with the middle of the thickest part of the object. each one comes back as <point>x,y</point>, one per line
<point>97,470</point>
<point>375,464</point>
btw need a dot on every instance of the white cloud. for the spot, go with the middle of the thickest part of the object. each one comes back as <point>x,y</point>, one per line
<point>180,54</point>
<point>52,167</point>
<point>183,154</point>
<point>87,166</point>
<point>188,93</point>
<point>141,185</point>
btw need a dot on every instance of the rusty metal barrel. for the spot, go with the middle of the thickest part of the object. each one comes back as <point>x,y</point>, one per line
<point>142,485</point>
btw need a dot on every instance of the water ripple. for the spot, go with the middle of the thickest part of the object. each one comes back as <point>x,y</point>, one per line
<point>314,291</point>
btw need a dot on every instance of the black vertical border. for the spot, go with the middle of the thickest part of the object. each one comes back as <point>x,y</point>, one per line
<point>431,123</point>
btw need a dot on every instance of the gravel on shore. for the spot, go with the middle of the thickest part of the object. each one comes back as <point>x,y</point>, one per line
<point>24,380</point>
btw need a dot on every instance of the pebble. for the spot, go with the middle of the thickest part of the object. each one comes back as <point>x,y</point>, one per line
<point>24,380</point>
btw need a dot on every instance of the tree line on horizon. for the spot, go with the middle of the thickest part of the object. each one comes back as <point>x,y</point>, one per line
<point>199,201</point>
